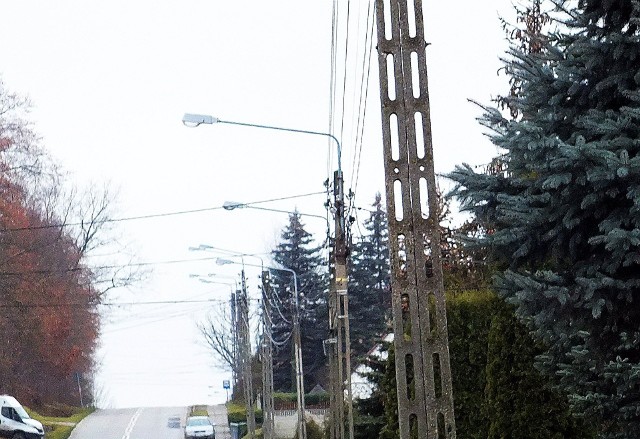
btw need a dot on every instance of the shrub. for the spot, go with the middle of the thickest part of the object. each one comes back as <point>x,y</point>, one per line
<point>258,435</point>
<point>237,413</point>
<point>314,431</point>
<point>316,398</point>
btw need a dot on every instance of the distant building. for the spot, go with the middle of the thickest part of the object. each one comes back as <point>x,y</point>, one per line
<point>318,389</point>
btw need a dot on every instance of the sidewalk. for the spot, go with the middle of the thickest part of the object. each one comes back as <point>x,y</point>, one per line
<point>218,415</point>
<point>287,423</point>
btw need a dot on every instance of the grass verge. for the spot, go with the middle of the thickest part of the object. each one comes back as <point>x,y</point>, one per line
<point>198,410</point>
<point>60,427</point>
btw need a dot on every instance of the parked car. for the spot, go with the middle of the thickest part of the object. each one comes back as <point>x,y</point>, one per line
<point>15,422</point>
<point>199,427</point>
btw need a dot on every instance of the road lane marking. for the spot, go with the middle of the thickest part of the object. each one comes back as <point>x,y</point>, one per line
<point>132,422</point>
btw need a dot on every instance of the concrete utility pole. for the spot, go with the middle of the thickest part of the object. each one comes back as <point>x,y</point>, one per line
<point>339,338</point>
<point>297,351</point>
<point>336,401</point>
<point>235,323</point>
<point>423,372</point>
<point>302,428</point>
<point>338,292</point>
<point>267,359</point>
<point>245,357</point>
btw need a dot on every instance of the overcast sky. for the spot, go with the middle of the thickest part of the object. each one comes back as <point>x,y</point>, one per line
<point>109,83</point>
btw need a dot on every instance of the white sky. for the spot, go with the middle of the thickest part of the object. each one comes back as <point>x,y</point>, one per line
<point>110,81</point>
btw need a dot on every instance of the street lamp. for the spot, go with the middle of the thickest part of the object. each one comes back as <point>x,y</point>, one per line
<point>302,428</point>
<point>234,320</point>
<point>233,205</point>
<point>194,120</point>
<point>338,298</point>
<point>206,280</point>
<point>242,311</point>
<point>267,349</point>
<point>207,247</point>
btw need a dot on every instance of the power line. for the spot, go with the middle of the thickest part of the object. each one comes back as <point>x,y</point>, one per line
<point>150,216</point>
<point>344,78</point>
<point>105,267</point>
<point>86,304</point>
<point>362,110</point>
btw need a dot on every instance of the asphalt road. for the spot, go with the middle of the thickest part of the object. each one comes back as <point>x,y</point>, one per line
<point>141,423</point>
<point>144,423</point>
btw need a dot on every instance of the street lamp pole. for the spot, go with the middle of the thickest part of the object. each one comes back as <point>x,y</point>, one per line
<point>245,341</point>
<point>339,337</point>
<point>194,120</point>
<point>233,205</point>
<point>245,347</point>
<point>235,319</point>
<point>268,413</point>
<point>302,427</point>
<point>235,325</point>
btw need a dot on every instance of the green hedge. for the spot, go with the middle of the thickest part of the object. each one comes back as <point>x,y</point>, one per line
<point>498,392</point>
<point>284,397</point>
<point>469,322</point>
<point>238,413</point>
<point>310,398</point>
<point>316,398</point>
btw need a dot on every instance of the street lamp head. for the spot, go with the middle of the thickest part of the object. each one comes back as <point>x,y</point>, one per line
<point>220,261</point>
<point>230,205</point>
<point>194,120</point>
<point>201,247</point>
<point>207,281</point>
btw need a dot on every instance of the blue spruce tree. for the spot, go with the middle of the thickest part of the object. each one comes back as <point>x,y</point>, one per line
<point>563,218</point>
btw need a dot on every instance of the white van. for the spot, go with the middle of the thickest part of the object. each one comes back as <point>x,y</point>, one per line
<point>15,422</point>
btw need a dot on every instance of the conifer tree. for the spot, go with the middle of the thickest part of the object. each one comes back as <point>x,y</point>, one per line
<point>369,296</point>
<point>369,416</point>
<point>297,251</point>
<point>563,216</point>
<point>519,400</point>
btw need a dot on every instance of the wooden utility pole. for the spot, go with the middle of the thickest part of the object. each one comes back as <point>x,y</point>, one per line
<point>423,372</point>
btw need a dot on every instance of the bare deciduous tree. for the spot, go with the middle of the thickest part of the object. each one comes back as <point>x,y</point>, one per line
<point>220,335</point>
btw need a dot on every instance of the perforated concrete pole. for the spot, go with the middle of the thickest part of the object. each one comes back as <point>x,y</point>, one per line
<point>245,358</point>
<point>267,359</point>
<point>423,372</point>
